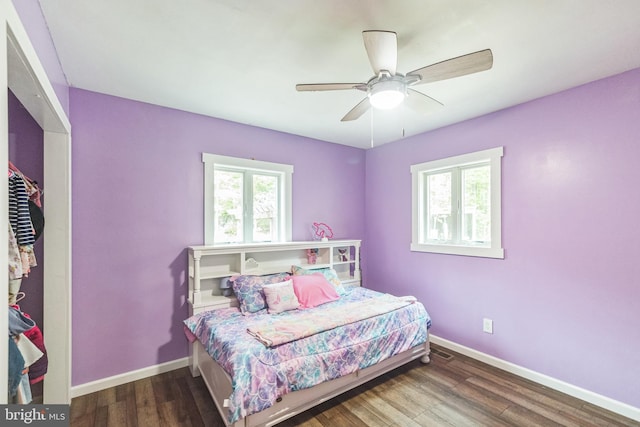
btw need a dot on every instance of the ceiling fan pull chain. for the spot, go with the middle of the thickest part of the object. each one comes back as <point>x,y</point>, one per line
<point>371,128</point>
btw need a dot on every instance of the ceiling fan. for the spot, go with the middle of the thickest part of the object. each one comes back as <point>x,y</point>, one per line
<point>387,88</point>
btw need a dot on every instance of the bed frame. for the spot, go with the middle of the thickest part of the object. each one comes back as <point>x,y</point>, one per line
<point>219,384</point>
<point>211,263</point>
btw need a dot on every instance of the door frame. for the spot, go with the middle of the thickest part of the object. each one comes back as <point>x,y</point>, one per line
<point>22,72</point>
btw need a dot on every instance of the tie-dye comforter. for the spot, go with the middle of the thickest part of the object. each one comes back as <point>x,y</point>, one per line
<point>262,374</point>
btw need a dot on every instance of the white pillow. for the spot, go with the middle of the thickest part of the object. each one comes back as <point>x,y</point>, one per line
<point>280,297</point>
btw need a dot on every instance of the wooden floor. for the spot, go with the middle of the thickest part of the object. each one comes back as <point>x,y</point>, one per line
<point>453,390</point>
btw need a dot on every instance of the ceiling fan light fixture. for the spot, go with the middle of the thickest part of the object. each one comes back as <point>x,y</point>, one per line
<point>387,94</point>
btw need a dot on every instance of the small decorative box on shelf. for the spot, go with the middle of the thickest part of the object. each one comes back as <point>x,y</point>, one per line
<point>208,265</point>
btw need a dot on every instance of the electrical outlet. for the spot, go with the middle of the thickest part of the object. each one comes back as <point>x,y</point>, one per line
<point>487,325</point>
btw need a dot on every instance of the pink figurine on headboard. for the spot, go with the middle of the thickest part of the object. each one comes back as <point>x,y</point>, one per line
<point>322,231</point>
<point>312,255</point>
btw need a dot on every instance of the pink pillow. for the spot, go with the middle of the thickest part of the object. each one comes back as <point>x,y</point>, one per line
<point>313,290</point>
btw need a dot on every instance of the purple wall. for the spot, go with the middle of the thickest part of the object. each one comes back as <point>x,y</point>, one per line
<point>138,202</point>
<point>32,19</point>
<point>26,152</point>
<point>564,300</point>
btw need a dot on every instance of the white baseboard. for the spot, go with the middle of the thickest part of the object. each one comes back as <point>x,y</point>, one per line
<point>127,377</point>
<point>572,390</point>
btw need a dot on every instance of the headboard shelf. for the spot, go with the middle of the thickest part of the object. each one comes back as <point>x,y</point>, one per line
<point>210,264</point>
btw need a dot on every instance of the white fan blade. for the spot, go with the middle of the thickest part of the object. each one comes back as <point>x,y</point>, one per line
<point>455,67</point>
<point>382,49</point>
<point>330,86</point>
<point>421,103</point>
<point>357,111</point>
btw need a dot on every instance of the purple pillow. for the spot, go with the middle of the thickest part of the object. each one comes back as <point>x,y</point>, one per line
<point>248,290</point>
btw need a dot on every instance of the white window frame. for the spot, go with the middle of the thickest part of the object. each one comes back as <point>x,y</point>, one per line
<point>285,171</point>
<point>494,157</point>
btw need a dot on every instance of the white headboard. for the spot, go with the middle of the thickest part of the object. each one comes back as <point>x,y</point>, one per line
<point>208,265</point>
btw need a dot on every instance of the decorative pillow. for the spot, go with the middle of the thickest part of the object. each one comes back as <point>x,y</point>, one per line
<point>329,273</point>
<point>280,297</point>
<point>313,290</point>
<point>248,290</point>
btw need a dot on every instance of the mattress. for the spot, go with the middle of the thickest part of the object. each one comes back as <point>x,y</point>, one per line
<point>261,374</point>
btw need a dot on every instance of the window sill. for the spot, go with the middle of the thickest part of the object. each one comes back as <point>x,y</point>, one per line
<point>497,253</point>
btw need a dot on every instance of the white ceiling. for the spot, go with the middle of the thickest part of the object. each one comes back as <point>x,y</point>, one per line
<point>240,60</point>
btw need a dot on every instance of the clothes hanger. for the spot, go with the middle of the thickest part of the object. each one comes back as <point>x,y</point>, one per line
<point>20,296</point>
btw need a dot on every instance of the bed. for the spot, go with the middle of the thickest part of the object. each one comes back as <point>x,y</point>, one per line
<point>262,368</point>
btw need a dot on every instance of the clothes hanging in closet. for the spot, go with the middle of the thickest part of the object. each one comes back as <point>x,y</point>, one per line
<point>26,222</point>
<point>28,360</point>
<point>40,365</point>
<point>31,186</point>
<point>16,368</point>
<point>27,356</point>
<point>27,353</point>
<point>19,216</point>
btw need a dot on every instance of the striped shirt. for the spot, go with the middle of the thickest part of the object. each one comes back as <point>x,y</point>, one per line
<point>19,216</point>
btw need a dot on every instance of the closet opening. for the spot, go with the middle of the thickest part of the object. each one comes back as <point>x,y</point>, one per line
<point>26,249</point>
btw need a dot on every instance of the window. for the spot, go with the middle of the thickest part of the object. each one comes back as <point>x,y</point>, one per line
<point>456,205</point>
<point>246,201</point>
